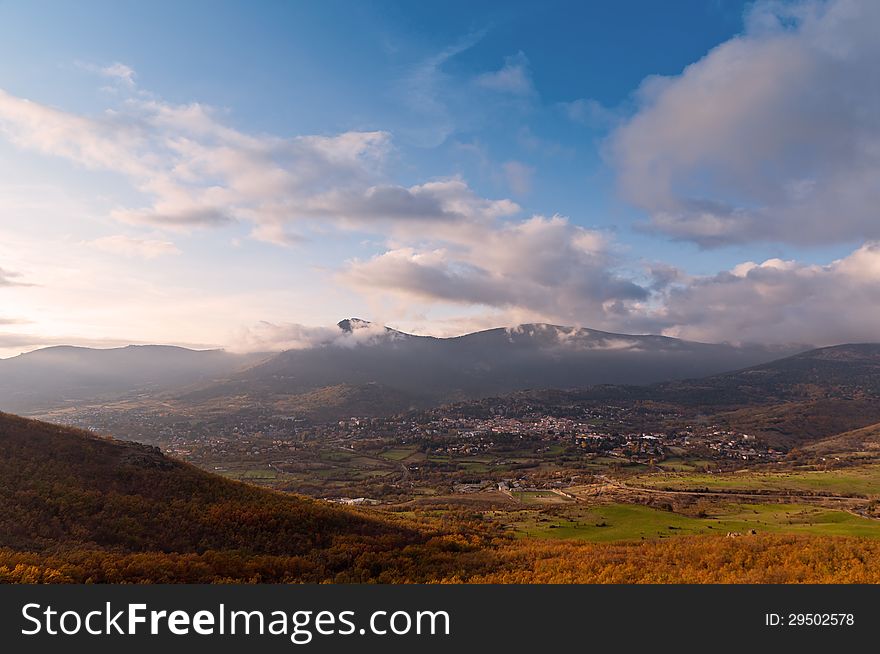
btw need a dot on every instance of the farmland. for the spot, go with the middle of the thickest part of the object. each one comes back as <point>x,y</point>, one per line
<point>620,522</point>
<point>862,481</point>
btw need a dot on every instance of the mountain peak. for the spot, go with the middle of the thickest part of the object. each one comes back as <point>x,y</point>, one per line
<point>351,324</point>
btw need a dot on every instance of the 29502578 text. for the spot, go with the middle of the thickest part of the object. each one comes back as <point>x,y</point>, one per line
<point>809,619</point>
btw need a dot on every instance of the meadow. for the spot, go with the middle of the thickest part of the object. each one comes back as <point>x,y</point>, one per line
<point>861,481</point>
<point>625,522</point>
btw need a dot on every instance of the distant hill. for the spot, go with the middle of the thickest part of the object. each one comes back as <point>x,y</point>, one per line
<point>57,376</point>
<point>842,371</point>
<point>399,370</point>
<point>859,445</point>
<point>849,371</point>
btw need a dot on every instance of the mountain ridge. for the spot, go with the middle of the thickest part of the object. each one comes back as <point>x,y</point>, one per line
<point>415,370</point>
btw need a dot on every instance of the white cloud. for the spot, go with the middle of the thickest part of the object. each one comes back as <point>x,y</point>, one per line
<point>272,337</point>
<point>398,208</point>
<point>773,135</point>
<point>128,246</point>
<point>514,77</point>
<point>541,266</point>
<point>120,72</point>
<point>539,271</point>
<point>779,301</point>
<point>197,172</point>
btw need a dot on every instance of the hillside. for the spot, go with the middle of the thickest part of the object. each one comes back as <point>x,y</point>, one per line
<point>58,376</point>
<point>859,445</point>
<point>789,423</point>
<point>842,371</point>
<point>62,487</point>
<point>64,493</point>
<point>805,397</point>
<point>79,509</point>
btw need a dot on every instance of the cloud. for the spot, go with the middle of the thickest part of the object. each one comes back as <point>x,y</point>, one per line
<point>441,201</point>
<point>540,265</point>
<point>590,112</point>
<point>108,142</point>
<point>10,278</point>
<point>439,102</point>
<point>774,135</point>
<point>120,72</point>
<point>197,172</point>
<point>514,77</point>
<point>134,247</point>
<point>428,91</point>
<point>518,176</point>
<point>779,301</point>
<point>547,270</point>
<point>272,337</point>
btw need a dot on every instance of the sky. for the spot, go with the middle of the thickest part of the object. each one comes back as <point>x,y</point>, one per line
<point>232,174</point>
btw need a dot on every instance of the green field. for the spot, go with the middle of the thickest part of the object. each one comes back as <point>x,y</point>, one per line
<point>250,475</point>
<point>861,481</point>
<point>398,453</point>
<point>614,522</point>
<point>677,464</point>
<point>539,497</point>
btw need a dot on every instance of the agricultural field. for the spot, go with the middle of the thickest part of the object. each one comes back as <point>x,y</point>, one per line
<point>622,522</point>
<point>539,497</point>
<point>401,453</point>
<point>862,481</point>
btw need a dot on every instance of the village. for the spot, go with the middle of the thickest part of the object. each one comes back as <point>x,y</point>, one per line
<point>508,446</point>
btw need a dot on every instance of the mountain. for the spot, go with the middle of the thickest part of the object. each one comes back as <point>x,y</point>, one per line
<point>75,507</point>
<point>420,370</point>
<point>362,369</point>
<point>56,376</point>
<point>804,397</point>
<point>838,372</point>
<point>843,371</point>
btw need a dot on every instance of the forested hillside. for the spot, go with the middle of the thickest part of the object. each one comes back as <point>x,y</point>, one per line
<point>75,509</point>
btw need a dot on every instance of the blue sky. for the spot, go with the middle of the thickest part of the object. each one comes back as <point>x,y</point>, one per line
<point>221,173</point>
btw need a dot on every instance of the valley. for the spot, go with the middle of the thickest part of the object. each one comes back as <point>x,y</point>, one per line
<point>767,452</point>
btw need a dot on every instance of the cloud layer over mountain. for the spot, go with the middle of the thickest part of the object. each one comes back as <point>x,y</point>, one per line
<point>768,146</point>
<point>773,135</point>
